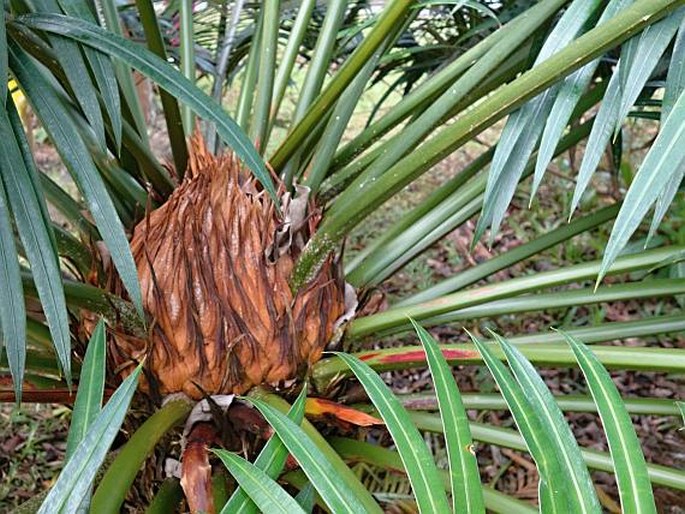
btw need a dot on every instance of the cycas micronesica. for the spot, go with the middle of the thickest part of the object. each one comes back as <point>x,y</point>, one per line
<point>214,263</point>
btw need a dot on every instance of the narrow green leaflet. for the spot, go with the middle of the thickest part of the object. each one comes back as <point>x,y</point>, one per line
<point>601,132</point>
<point>662,163</point>
<point>111,22</point>
<point>187,54</point>
<point>675,78</point>
<point>91,387</point>
<point>287,61</point>
<point>12,309</point>
<point>316,73</point>
<point>249,82</point>
<point>267,67</point>
<point>523,137</point>
<point>454,302</point>
<point>163,74</point>
<point>565,102</point>
<point>33,173</point>
<point>74,65</point>
<point>681,406</point>
<point>446,208</point>
<point>321,57</point>
<point>267,494</point>
<point>467,491</point>
<point>416,99</point>
<point>102,68</point>
<point>106,80</point>
<point>353,207</point>
<point>628,52</point>
<point>271,460</point>
<point>417,459</point>
<point>73,484</point>
<point>675,85</point>
<point>76,70</point>
<point>518,254</point>
<point>552,487</point>
<point>638,68</point>
<point>332,487</point>
<point>338,123</point>
<point>568,27</point>
<point>666,196</point>
<point>307,497</point>
<point>17,345</point>
<point>383,156</point>
<point>630,468</point>
<point>76,156</point>
<point>524,127</point>
<point>172,111</point>
<point>394,12</point>
<point>597,460</point>
<point>579,485</point>
<point>378,456</point>
<point>88,404</point>
<point>638,59</point>
<point>36,239</point>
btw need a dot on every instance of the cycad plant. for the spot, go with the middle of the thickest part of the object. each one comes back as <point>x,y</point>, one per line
<point>224,273</point>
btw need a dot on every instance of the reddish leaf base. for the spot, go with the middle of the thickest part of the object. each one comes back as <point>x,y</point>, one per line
<point>29,395</point>
<point>323,408</point>
<point>196,471</point>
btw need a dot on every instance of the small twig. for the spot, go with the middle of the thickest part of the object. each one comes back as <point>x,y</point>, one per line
<point>529,466</point>
<point>559,174</point>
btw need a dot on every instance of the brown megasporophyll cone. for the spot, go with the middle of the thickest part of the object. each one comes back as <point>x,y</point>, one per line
<point>214,264</point>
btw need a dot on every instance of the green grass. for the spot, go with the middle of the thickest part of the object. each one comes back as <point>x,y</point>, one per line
<point>32,446</point>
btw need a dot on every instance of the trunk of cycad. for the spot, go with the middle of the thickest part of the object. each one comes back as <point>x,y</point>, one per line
<point>214,264</point>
